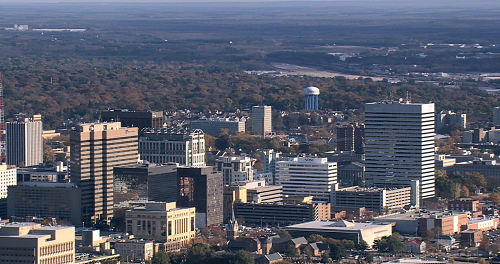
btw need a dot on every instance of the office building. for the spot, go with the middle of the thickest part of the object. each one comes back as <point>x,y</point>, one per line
<point>32,243</point>
<point>450,118</point>
<point>351,138</point>
<point>24,142</point>
<point>311,98</point>
<point>163,222</point>
<point>213,126</point>
<point>307,177</point>
<point>368,232</point>
<point>252,192</point>
<point>8,177</point>
<point>187,148</point>
<point>46,199</point>
<point>496,116</point>
<point>202,188</point>
<point>131,182</point>
<point>379,200</point>
<point>275,214</point>
<point>139,119</point>
<point>262,120</point>
<point>162,184</point>
<point>57,173</point>
<point>135,250</point>
<point>265,194</point>
<point>270,156</point>
<point>465,204</point>
<point>399,146</point>
<point>95,150</point>
<point>344,157</point>
<point>235,169</point>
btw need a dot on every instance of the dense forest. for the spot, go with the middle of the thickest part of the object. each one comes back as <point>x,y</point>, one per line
<point>63,88</point>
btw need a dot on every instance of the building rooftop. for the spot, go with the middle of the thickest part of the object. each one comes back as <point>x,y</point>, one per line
<point>335,225</point>
<point>480,220</point>
<point>417,215</point>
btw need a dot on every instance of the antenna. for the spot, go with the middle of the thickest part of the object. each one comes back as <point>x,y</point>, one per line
<point>2,123</point>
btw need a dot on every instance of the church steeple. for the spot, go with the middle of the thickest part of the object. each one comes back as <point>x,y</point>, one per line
<point>233,228</point>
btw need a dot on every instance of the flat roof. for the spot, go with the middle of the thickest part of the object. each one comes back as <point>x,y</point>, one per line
<point>331,226</point>
<point>439,214</point>
<point>479,220</point>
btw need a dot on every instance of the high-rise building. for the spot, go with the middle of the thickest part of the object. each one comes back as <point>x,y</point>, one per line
<point>24,142</point>
<point>187,148</point>
<point>307,177</point>
<point>399,146</point>
<point>262,120</point>
<point>235,169</point>
<point>95,150</point>
<point>496,116</point>
<point>351,138</point>
<point>33,243</point>
<point>139,119</point>
<point>450,118</point>
<point>312,96</point>
<point>201,187</point>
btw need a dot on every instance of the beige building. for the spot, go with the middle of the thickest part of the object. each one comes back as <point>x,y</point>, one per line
<point>95,150</point>
<point>369,232</point>
<point>30,243</point>
<point>262,120</point>
<point>135,250</point>
<point>164,222</point>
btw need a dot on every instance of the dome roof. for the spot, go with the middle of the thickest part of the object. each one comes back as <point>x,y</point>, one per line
<point>311,91</point>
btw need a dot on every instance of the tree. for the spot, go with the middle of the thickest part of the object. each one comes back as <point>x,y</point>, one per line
<point>284,234</point>
<point>160,257</point>
<point>485,243</point>
<point>494,198</point>
<point>243,257</point>
<point>292,252</point>
<point>362,245</point>
<point>315,238</point>
<point>337,251</point>
<point>199,253</point>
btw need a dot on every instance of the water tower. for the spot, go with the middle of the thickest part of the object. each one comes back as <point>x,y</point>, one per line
<point>312,95</point>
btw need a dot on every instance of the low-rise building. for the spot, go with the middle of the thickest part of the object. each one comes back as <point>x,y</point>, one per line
<point>381,200</point>
<point>471,237</point>
<point>465,204</point>
<point>417,222</point>
<point>33,243</point>
<point>213,126</point>
<point>164,222</point>
<point>481,223</point>
<point>135,250</point>
<point>415,247</point>
<point>350,173</point>
<point>275,213</point>
<point>369,232</point>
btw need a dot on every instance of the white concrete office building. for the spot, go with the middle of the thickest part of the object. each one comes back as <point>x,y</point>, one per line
<point>307,177</point>
<point>399,146</point>
<point>235,169</point>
